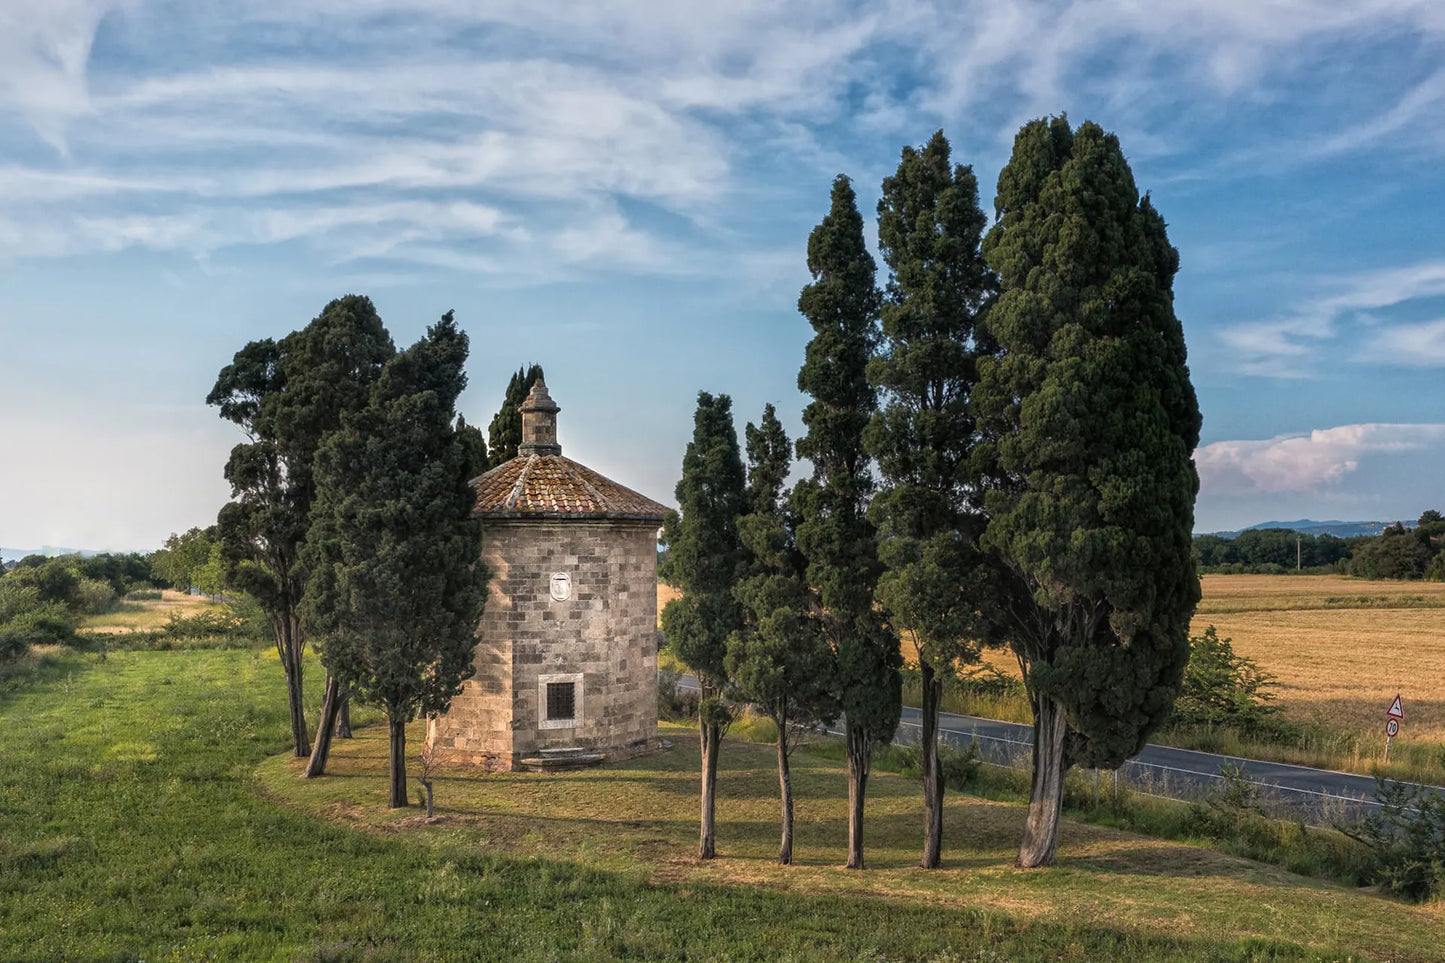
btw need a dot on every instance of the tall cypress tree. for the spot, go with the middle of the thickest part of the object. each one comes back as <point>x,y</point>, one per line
<point>475,443</point>
<point>779,658</point>
<point>704,560</point>
<point>929,516</point>
<point>395,583</point>
<point>1091,421</point>
<point>505,430</point>
<point>288,395</point>
<point>834,534</point>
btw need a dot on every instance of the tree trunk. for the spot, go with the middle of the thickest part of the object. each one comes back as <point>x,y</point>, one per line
<point>398,761</point>
<point>1046,800</point>
<point>785,790</point>
<point>860,757</point>
<point>331,703</point>
<point>711,736</point>
<point>430,799</point>
<point>291,648</point>
<point>932,769</point>
<point>343,718</point>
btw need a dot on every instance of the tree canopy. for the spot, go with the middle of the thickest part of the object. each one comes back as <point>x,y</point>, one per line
<point>1090,423</point>
<point>929,513</point>
<point>395,585</point>
<point>505,430</point>
<point>705,558</point>
<point>778,659</point>
<point>833,532</point>
<point>287,396</point>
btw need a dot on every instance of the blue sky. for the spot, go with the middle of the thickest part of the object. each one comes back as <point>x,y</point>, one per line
<point>623,192</point>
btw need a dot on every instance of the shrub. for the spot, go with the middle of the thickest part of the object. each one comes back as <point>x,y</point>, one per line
<point>234,626</point>
<point>1223,689</point>
<point>143,595</point>
<point>748,726</point>
<point>674,703</point>
<point>49,623</point>
<point>16,598</point>
<point>960,766</point>
<point>1407,839</point>
<point>11,645</point>
<point>94,596</point>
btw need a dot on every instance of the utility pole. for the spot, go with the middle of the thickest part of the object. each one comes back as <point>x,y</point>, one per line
<point>1298,553</point>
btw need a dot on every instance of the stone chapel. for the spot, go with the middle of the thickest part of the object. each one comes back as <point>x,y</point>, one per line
<point>566,653</point>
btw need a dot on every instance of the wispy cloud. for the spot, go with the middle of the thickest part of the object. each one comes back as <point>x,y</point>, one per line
<point>185,115</point>
<point>1289,347</point>
<point>1304,463</point>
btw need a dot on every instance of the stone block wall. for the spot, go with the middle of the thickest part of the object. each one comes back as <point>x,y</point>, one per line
<point>605,632</point>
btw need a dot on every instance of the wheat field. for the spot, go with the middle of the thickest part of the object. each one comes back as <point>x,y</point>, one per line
<point>1340,648</point>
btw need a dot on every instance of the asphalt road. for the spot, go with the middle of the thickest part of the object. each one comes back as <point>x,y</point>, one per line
<point>1320,796</point>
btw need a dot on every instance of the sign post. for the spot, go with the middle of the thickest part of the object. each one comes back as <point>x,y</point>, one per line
<point>1393,715</point>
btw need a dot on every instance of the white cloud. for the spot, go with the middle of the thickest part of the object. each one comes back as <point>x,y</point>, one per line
<point>1304,463</point>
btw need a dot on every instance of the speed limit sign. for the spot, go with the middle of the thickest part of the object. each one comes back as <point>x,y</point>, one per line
<point>1392,728</point>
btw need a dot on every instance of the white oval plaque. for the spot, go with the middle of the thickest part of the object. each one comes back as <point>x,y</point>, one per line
<point>561,586</point>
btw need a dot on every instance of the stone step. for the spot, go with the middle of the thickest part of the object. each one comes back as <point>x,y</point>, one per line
<point>562,760</point>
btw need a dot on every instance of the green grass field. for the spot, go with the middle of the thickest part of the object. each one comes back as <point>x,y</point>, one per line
<point>145,814</point>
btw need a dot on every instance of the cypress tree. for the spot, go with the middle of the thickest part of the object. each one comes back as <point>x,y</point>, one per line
<point>833,533</point>
<point>1091,421</point>
<point>395,583</point>
<point>288,396</point>
<point>936,585</point>
<point>779,659</point>
<point>475,443</point>
<point>505,430</point>
<point>704,560</point>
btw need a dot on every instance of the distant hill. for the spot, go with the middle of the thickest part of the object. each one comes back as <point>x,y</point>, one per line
<point>16,554</point>
<point>1308,526</point>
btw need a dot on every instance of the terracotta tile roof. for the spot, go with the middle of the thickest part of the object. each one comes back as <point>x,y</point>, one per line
<point>550,486</point>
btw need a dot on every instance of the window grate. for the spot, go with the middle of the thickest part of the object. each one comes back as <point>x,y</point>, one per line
<point>561,701</point>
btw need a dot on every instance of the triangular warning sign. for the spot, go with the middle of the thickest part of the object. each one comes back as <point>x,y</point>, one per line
<point>1396,709</point>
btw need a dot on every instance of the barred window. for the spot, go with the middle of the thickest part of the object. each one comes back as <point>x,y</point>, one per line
<point>561,701</point>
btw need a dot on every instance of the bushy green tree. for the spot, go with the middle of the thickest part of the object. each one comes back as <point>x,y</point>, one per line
<point>833,533</point>
<point>395,584</point>
<point>705,559</point>
<point>779,659</point>
<point>1222,688</point>
<point>287,396</point>
<point>936,585</point>
<point>505,430</point>
<point>52,578</point>
<point>1090,422</point>
<point>1397,552</point>
<point>182,556</point>
<point>28,618</point>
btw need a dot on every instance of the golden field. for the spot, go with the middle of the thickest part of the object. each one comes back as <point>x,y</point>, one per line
<point>146,615</point>
<point>1339,647</point>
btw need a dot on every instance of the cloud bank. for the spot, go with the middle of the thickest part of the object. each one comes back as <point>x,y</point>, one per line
<point>1307,462</point>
